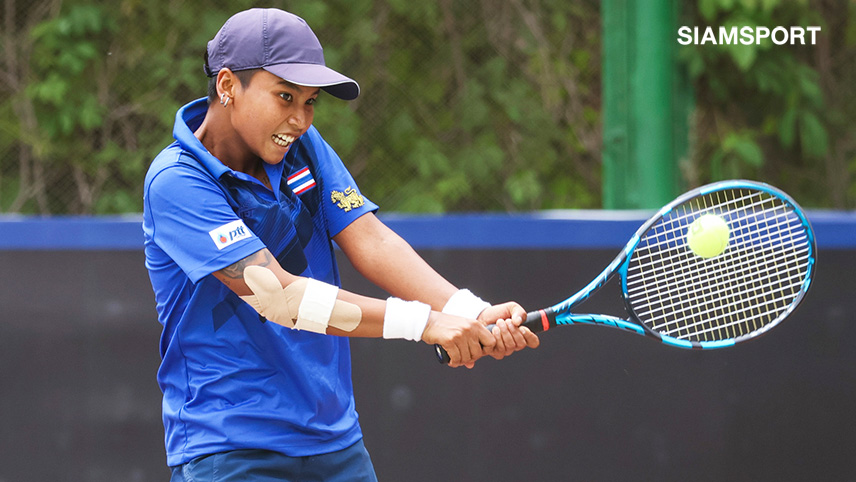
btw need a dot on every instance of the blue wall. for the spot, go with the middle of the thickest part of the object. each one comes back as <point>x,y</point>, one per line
<point>545,230</point>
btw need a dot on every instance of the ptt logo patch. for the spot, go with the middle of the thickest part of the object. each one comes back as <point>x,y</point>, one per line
<point>229,234</point>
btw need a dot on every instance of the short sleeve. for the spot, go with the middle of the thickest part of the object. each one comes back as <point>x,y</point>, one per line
<point>188,217</point>
<point>341,198</point>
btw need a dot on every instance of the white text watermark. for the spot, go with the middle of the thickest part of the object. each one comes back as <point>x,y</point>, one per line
<point>747,35</point>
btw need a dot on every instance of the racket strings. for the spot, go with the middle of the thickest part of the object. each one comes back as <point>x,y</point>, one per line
<point>740,267</point>
<point>749,302</point>
<point>675,232</point>
<point>741,291</point>
<point>768,254</point>
<point>750,315</point>
<point>677,224</point>
<point>722,284</point>
<point>746,304</point>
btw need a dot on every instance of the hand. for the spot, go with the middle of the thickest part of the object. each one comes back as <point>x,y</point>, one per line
<point>509,335</point>
<point>464,340</point>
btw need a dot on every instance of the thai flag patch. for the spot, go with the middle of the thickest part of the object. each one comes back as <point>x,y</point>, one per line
<point>301,181</point>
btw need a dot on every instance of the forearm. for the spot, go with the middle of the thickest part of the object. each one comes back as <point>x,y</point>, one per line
<point>371,321</point>
<point>392,264</point>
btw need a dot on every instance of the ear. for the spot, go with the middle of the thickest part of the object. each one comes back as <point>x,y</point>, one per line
<point>227,83</point>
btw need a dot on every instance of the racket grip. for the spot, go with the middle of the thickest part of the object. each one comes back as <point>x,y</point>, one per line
<point>536,321</point>
<point>541,320</point>
<point>443,357</point>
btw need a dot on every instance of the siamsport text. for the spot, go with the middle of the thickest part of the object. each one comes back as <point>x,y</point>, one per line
<point>747,35</point>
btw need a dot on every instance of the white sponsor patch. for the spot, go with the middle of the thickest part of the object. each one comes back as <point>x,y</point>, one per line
<point>230,233</point>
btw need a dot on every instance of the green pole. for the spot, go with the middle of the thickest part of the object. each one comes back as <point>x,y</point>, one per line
<point>645,122</point>
<point>616,108</point>
<point>651,84</point>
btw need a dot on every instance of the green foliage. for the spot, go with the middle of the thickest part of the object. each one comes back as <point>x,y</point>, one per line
<point>465,106</point>
<point>99,106</point>
<point>775,112</point>
<point>65,48</point>
<point>738,154</point>
<point>455,114</point>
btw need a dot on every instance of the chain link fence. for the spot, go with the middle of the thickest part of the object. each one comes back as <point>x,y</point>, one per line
<point>465,105</point>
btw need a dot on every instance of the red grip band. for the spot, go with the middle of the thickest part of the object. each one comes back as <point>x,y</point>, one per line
<point>545,323</point>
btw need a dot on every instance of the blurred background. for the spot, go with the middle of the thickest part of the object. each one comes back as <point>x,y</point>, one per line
<point>480,105</point>
<point>517,144</point>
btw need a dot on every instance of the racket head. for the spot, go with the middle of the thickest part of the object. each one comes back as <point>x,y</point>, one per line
<point>756,282</point>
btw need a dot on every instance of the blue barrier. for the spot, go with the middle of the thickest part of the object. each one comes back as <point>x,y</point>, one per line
<point>572,229</point>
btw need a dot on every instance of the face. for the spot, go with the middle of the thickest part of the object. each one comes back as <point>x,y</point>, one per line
<point>270,113</point>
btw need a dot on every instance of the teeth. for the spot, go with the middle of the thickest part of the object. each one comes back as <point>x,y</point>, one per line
<point>283,140</point>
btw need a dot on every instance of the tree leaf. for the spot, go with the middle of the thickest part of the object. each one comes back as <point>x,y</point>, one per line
<point>787,127</point>
<point>749,152</point>
<point>814,139</point>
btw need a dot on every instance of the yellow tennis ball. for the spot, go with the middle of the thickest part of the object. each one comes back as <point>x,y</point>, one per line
<point>708,236</point>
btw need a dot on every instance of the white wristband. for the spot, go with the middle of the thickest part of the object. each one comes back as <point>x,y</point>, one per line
<point>464,303</point>
<point>405,319</point>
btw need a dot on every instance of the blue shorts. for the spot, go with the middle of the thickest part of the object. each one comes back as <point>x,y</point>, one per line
<point>352,464</point>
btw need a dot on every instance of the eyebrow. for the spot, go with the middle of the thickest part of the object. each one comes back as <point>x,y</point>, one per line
<point>296,87</point>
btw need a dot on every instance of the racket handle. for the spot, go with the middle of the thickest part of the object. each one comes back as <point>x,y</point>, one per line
<point>541,320</point>
<point>536,321</point>
<point>443,356</point>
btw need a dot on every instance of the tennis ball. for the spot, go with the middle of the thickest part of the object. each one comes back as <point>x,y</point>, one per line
<point>708,236</point>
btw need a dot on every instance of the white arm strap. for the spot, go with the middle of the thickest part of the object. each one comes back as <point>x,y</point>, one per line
<point>304,304</point>
<point>316,306</point>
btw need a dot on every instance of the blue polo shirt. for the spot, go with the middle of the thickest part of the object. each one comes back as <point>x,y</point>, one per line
<point>231,380</point>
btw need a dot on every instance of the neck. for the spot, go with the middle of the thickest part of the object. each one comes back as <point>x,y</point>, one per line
<point>221,140</point>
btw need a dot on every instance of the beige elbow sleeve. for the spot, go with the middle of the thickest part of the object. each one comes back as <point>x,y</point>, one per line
<point>305,304</point>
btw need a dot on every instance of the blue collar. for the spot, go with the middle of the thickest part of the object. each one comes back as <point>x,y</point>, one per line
<point>187,120</point>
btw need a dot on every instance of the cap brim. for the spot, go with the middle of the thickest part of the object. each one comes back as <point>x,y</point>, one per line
<point>314,75</point>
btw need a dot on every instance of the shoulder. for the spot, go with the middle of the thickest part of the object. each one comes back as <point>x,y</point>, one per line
<point>313,144</point>
<point>176,180</point>
<point>313,137</point>
<point>174,165</point>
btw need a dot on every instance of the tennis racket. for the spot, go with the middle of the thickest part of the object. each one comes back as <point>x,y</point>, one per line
<point>685,300</point>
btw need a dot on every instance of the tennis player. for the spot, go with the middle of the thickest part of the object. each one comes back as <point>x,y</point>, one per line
<point>240,216</point>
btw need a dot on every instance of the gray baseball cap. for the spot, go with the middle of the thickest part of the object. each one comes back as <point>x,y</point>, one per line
<point>280,43</point>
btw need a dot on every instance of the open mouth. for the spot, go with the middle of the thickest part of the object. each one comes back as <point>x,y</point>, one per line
<point>282,140</point>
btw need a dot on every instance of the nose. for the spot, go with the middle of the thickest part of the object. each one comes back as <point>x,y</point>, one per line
<point>297,119</point>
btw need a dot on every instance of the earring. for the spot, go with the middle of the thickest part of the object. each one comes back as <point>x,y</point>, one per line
<point>224,99</point>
